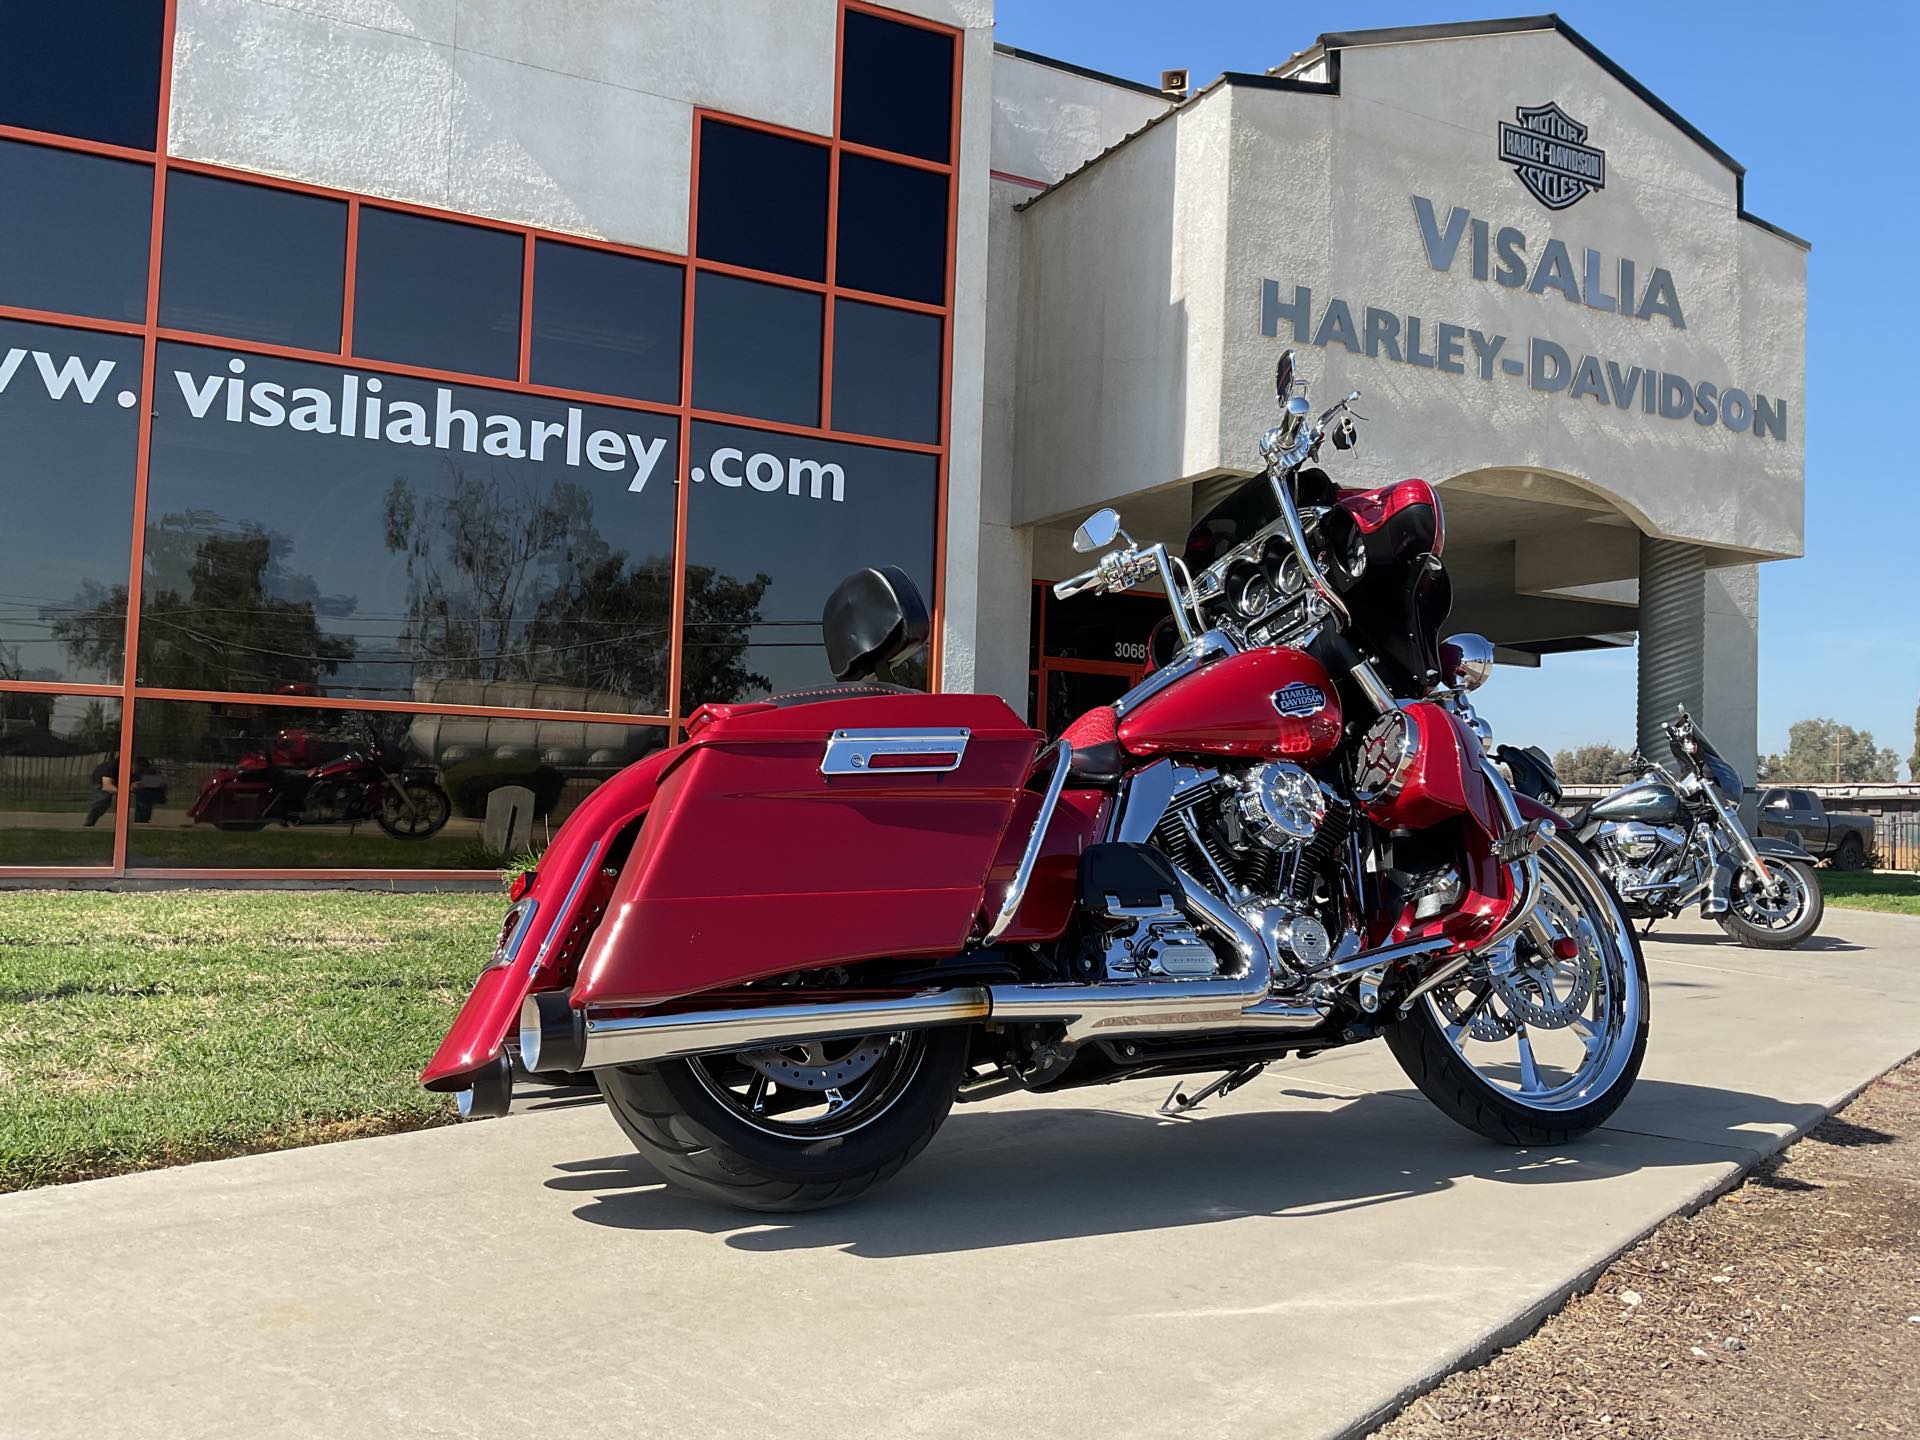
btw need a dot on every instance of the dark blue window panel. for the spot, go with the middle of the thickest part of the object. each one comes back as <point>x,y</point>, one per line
<point>253,262</point>
<point>437,293</point>
<point>69,435</point>
<point>606,323</point>
<point>893,230</point>
<point>756,349</point>
<point>763,201</point>
<point>86,68</point>
<point>774,522</point>
<point>896,87</point>
<point>886,371</point>
<point>73,232</point>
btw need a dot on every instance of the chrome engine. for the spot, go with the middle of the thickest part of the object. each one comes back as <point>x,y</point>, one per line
<point>1638,857</point>
<point>1269,838</point>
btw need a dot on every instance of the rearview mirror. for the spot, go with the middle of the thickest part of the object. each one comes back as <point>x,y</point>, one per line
<point>1283,376</point>
<point>1466,660</point>
<point>1097,531</point>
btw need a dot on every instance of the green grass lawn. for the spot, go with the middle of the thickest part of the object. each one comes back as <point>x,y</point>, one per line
<point>152,1029</point>
<point>1865,890</point>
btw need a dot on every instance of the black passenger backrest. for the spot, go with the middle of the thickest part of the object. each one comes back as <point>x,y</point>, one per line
<point>872,618</point>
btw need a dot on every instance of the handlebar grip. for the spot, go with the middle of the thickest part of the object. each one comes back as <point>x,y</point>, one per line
<point>1067,589</point>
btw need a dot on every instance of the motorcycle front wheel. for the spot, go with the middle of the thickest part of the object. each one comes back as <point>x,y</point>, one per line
<point>1540,1043</point>
<point>798,1127</point>
<point>415,811</point>
<point>1779,919</point>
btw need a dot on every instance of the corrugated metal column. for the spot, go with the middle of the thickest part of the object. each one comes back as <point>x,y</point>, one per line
<point>1672,636</point>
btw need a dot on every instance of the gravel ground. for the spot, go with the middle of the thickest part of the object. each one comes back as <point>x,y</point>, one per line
<point>1790,1307</point>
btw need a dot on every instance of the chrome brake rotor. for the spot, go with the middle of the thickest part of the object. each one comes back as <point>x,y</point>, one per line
<point>1489,1023</point>
<point>1544,989</point>
<point>806,1067</point>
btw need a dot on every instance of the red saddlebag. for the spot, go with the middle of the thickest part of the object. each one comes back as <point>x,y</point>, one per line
<point>753,863</point>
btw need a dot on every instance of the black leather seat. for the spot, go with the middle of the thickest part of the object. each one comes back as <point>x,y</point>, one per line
<point>856,690</point>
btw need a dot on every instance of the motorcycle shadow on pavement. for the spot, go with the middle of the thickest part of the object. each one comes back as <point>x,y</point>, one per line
<point>1028,1175</point>
<point>1715,941</point>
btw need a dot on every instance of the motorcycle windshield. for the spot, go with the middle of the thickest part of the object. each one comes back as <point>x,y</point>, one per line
<point>1712,765</point>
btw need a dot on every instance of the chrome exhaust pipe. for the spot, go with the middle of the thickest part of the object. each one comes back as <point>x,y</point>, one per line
<point>555,1036</point>
<point>1168,1007</point>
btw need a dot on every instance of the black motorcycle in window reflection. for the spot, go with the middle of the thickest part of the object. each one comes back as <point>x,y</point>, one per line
<point>284,785</point>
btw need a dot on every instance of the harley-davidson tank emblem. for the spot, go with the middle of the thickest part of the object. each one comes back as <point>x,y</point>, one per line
<point>1547,151</point>
<point>1299,699</point>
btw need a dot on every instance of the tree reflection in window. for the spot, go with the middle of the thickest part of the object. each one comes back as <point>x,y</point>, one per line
<point>244,622</point>
<point>513,582</point>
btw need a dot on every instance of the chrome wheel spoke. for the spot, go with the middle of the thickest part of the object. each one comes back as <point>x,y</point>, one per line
<point>757,1093</point>
<point>1529,1069</point>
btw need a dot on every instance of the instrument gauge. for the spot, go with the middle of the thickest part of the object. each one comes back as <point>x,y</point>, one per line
<point>1249,590</point>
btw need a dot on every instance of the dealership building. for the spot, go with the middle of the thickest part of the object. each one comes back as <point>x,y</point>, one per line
<point>490,384</point>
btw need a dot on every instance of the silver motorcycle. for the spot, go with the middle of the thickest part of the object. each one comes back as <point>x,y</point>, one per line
<point>1673,838</point>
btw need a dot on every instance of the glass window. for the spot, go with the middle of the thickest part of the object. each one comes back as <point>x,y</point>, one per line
<point>774,522</point>
<point>59,768</point>
<point>357,534</point>
<point>886,371</point>
<point>892,230</point>
<point>73,232</point>
<point>1110,628</point>
<point>87,68</point>
<point>403,792</point>
<point>605,322</point>
<point>756,349</point>
<point>763,201</point>
<point>896,87</point>
<point>438,294</point>
<point>69,435</point>
<point>253,262</point>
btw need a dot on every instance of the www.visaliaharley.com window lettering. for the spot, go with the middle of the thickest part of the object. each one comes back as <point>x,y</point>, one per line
<point>359,410</point>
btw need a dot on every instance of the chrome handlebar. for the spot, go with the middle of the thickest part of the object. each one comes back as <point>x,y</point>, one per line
<point>1124,568</point>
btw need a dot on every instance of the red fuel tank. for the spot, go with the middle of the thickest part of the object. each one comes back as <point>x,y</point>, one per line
<point>1269,704</point>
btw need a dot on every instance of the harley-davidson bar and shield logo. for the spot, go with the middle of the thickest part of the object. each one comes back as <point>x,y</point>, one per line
<point>1299,699</point>
<point>1548,153</point>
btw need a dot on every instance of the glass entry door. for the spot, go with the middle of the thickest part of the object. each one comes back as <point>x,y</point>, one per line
<point>1084,652</point>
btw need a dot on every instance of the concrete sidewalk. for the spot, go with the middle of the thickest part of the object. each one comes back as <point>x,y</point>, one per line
<point>1286,1262</point>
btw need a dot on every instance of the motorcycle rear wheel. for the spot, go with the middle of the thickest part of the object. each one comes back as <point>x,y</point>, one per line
<point>1592,1062</point>
<point>707,1124</point>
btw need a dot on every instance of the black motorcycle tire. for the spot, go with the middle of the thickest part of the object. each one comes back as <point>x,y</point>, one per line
<point>1446,1079</point>
<point>699,1145</point>
<point>1755,937</point>
<point>442,808</point>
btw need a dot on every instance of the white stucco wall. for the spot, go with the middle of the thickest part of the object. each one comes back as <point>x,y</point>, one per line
<point>1048,121</point>
<point>574,117</point>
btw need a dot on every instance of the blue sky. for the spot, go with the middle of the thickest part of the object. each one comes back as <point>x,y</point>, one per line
<point>1822,115</point>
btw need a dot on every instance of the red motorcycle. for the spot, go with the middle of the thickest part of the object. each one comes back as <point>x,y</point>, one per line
<point>784,946</point>
<point>372,781</point>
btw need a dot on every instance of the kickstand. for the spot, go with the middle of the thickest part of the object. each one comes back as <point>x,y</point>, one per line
<point>1177,1103</point>
<point>1647,929</point>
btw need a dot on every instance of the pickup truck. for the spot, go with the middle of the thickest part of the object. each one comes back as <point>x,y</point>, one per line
<point>1840,837</point>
